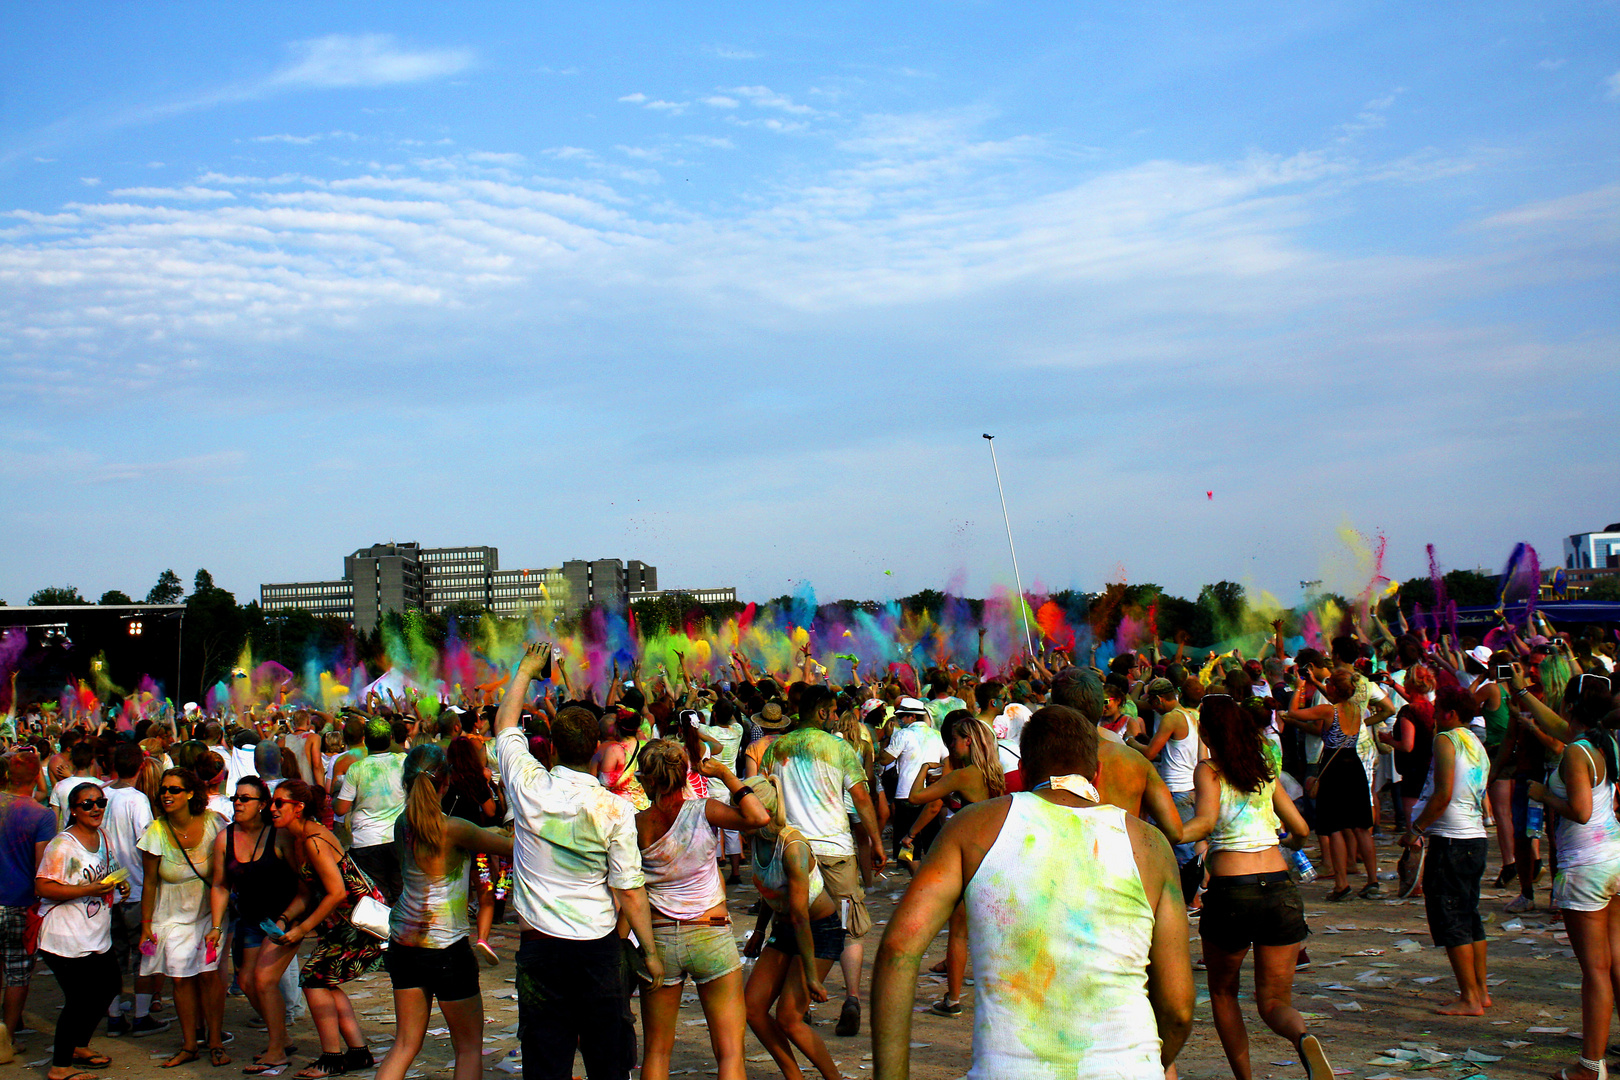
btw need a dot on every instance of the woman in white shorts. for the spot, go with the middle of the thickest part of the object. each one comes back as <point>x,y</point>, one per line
<point>1587,883</point>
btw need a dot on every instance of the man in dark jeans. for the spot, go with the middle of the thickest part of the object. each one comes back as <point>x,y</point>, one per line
<point>372,796</point>
<point>574,855</point>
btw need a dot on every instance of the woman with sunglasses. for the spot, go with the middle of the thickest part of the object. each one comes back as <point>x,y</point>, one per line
<point>428,952</point>
<point>178,853</point>
<point>329,886</point>
<point>75,937</point>
<point>251,873</point>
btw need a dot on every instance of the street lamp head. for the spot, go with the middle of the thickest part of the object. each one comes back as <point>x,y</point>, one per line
<point>987,436</point>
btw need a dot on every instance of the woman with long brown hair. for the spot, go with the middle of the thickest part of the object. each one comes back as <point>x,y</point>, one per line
<point>1251,899</point>
<point>680,841</point>
<point>471,797</point>
<point>330,884</point>
<point>428,953</point>
<point>971,773</point>
<point>178,853</point>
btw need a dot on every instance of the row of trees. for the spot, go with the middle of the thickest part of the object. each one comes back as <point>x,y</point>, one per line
<point>168,590</point>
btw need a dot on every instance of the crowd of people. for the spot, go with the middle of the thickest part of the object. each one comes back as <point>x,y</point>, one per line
<point>1062,822</point>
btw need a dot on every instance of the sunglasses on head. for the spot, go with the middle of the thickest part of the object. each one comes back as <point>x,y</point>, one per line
<point>1580,684</point>
<point>170,789</point>
<point>91,804</point>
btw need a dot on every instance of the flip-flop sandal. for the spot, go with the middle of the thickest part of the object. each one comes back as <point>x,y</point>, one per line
<point>259,1068</point>
<point>181,1057</point>
<point>81,1076</point>
<point>289,1050</point>
<point>218,1057</point>
<point>94,1061</point>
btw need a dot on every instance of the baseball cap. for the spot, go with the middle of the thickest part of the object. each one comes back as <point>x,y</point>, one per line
<point>1161,688</point>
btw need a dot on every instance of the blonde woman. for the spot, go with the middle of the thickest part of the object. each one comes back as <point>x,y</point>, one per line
<point>429,954</point>
<point>971,773</point>
<point>679,840</point>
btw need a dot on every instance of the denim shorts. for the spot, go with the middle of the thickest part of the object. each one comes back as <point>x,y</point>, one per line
<point>1267,911</point>
<point>1186,806</point>
<point>1452,870</point>
<point>826,935</point>
<point>704,952</point>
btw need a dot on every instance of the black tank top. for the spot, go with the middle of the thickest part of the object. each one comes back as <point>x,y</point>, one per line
<point>264,886</point>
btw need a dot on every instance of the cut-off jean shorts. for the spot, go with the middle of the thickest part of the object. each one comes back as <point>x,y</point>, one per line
<point>704,952</point>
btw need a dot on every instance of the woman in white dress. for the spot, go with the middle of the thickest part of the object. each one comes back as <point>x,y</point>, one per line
<point>176,916</point>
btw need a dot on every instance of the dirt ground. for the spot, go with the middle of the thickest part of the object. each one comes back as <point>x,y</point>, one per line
<point>1372,987</point>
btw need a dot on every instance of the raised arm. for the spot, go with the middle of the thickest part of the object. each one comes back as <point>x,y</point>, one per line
<point>510,713</point>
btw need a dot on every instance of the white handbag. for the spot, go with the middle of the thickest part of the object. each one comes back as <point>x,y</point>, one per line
<point>371,915</point>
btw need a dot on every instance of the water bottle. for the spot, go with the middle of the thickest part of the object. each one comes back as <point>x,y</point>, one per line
<point>1535,822</point>
<point>1301,864</point>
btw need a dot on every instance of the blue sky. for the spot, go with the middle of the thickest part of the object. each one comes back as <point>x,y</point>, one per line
<point>736,291</point>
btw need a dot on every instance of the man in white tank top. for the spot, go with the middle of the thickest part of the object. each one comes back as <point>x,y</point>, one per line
<point>1450,823</point>
<point>1173,749</point>
<point>1075,920</point>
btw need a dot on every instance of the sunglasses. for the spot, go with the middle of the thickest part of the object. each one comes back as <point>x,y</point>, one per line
<point>245,798</point>
<point>170,789</point>
<point>91,804</point>
<point>280,803</point>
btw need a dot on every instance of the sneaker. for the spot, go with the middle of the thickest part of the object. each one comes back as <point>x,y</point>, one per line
<point>147,1025</point>
<point>236,991</point>
<point>849,1019</point>
<point>485,953</point>
<point>1371,892</point>
<point>946,1007</point>
<point>117,1027</point>
<point>1312,1056</point>
<point>1520,904</point>
<point>1509,872</point>
<point>1337,895</point>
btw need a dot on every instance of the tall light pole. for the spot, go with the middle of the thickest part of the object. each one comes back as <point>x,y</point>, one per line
<point>1023,606</point>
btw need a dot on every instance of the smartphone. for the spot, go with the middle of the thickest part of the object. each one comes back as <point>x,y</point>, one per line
<point>1504,672</point>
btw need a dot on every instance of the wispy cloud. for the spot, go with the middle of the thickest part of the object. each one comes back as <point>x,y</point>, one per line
<point>190,192</point>
<point>343,60</point>
<point>1551,64</point>
<point>304,140</point>
<point>766,98</point>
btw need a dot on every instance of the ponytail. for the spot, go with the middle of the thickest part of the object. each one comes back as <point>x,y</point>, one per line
<point>425,769</point>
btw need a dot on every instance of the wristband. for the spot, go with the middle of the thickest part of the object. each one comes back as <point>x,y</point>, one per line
<point>736,796</point>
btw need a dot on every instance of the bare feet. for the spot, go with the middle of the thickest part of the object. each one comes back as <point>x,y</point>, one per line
<point>1463,1007</point>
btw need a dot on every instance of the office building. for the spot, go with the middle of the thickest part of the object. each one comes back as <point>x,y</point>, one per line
<point>1586,551</point>
<point>406,577</point>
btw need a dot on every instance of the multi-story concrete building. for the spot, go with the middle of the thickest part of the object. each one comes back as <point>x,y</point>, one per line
<point>404,577</point>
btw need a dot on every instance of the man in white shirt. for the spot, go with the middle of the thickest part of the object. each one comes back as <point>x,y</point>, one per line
<point>576,864</point>
<point>914,746</point>
<point>128,814</point>
<point>373,795</point>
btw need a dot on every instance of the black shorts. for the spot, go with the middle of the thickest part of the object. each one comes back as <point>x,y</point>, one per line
<point>1451,873</point>
<point>1253,909</point>
<point>826,935</point>
<point>447,974</point>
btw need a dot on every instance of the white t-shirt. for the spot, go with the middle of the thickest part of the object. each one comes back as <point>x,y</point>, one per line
<point>59,796</point>
<point>373,785</point>
<point>574,841</point>
<point>75,927</point>
<point>729,736</point>
<point>129,812</point>
<point>222,806</point>
<point>913,747</point>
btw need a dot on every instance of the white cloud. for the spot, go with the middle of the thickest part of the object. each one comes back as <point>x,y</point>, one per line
<point>303,140</point>
<point>719,101</point>
<point>673,107</point>
<point>634,99</point>
<point>189,192</point>
<point>345,60</point>
<point>90,181</point>
<point>1551,64</point>
<point>766,98</point>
